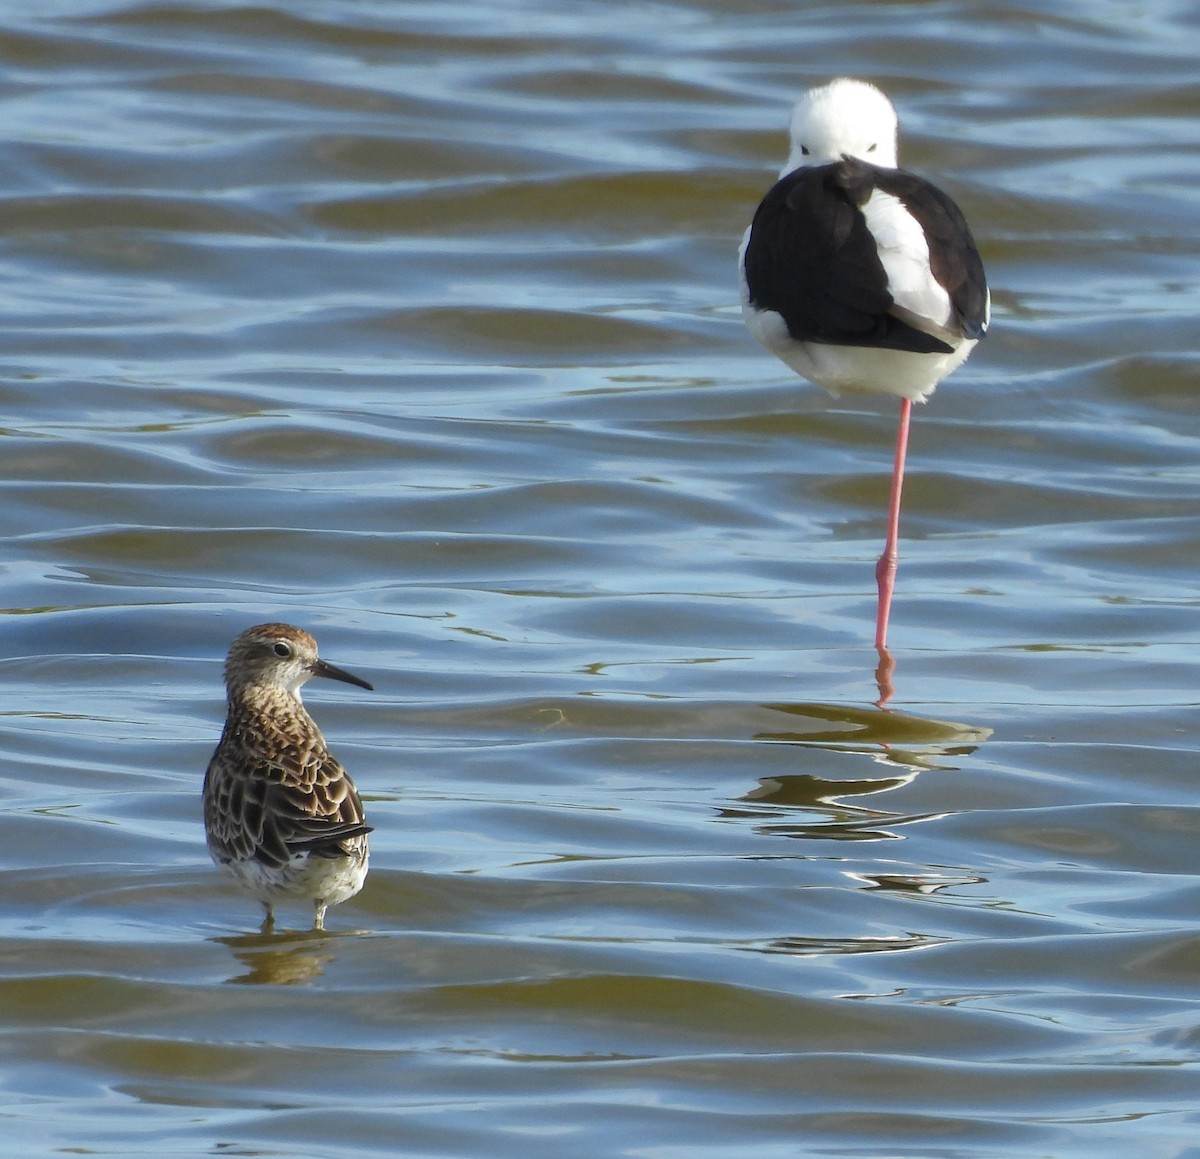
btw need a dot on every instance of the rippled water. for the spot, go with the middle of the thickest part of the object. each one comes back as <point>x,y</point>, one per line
<point>416,324</point>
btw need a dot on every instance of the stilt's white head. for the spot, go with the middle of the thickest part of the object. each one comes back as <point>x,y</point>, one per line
<point>843,118</point>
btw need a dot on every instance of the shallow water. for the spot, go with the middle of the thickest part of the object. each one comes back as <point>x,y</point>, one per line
<point>417,325</point>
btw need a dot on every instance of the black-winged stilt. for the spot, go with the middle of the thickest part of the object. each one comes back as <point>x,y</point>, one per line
<point>860,276</point>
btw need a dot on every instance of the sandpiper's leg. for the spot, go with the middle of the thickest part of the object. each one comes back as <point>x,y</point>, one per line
<point>268,917</point>
<point>319,919</point>
<point>885,569</point>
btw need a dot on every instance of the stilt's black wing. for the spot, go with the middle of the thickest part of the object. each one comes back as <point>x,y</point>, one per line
<point>812,259</point>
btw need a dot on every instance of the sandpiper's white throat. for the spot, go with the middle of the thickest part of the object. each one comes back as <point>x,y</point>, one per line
<point>281,814</point>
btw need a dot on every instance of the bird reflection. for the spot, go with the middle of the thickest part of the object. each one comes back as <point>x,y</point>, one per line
<point>823,809</point>
<point>918,883</point>
<point>883,677</point>
<point>281,959</point>
<point>922,883</point>
<point>802,805</point>
<point>802,946</point>
<point>901,746</point>
<point>903,739</point>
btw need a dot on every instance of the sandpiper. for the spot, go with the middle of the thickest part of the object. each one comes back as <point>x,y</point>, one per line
<point>282,816</point>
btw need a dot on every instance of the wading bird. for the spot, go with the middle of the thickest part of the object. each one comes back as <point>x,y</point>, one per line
<point>860,276</point>
<point>281,814</point>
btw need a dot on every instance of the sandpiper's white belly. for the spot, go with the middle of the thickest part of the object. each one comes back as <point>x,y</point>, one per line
<point>332,880</point>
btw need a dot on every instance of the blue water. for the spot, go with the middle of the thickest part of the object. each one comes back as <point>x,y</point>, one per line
<point>417,325</point>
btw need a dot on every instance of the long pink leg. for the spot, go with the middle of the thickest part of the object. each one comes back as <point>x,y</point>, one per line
<point>885,569</point>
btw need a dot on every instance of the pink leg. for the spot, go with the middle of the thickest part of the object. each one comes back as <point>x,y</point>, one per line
<point>885,569</point>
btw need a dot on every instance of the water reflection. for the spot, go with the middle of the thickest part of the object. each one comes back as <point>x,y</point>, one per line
<point>922,883</point>
<point>803,805</point>
<point>806,807</point>
<point>884,672</point>
<point>876,730</point>
<point>281,959</point>
<point>901,739</point>
<point>808,946</point>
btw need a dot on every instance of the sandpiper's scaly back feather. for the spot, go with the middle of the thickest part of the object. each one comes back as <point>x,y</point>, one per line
<point>281,814</point>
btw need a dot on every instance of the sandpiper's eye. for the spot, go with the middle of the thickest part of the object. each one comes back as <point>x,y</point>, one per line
<point>870,148</point>
<point>282,650</point>
<point>804,150</point>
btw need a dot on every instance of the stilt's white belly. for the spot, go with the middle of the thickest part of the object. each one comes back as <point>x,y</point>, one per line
<point>855,369</point>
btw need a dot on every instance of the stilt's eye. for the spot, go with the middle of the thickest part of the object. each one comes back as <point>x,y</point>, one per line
<point>282,650</point>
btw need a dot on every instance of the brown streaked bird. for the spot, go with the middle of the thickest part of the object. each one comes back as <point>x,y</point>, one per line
<point>282,816</point>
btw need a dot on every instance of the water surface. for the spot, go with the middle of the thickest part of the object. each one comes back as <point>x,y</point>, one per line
<point>416,324</point>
